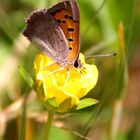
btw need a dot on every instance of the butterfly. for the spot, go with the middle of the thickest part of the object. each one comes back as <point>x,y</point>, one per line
<point>56,32</point>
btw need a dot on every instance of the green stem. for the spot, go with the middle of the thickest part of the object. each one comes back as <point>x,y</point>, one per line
<point>48,125</point>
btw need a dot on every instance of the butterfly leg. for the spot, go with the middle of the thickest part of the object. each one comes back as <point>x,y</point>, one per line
<point>83,70</point>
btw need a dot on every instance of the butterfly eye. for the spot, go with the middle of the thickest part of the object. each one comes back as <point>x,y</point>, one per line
<point>76,64</point>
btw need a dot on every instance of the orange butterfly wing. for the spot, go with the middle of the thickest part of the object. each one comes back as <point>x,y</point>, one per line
<point>67,15</point>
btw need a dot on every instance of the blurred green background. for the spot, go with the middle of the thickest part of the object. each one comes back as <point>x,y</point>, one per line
<point>117,115</point>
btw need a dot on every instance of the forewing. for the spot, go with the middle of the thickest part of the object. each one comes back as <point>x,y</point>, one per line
<point>66,13</point>
<point>47,34</point>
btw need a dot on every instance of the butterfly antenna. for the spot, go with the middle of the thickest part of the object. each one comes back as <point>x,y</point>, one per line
<point>101,55</point>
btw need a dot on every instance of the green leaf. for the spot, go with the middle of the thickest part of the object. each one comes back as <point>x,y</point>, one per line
<point>52,102</point>
<point>40,93</point>
<point>26,76</point>
<point>65,105</point>
<point>86,102</point>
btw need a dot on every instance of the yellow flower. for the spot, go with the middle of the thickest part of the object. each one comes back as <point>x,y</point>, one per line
<point>62,88</point>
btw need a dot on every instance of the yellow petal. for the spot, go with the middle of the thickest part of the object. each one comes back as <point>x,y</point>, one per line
<point>65,85</point>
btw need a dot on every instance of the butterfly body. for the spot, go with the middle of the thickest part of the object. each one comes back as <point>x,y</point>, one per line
<point>56,32</point>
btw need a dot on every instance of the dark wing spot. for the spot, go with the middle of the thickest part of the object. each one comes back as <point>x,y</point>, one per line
<point>70,17</point>
<point>75,21</point>
<point>63,21</point>
<point>66,16</point>
<point>58,20</point>
<point>70,29</point>
<point>70,40</point>
<point>70,48</point>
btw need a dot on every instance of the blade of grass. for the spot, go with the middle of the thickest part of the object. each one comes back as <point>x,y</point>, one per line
<point>23,123</point>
